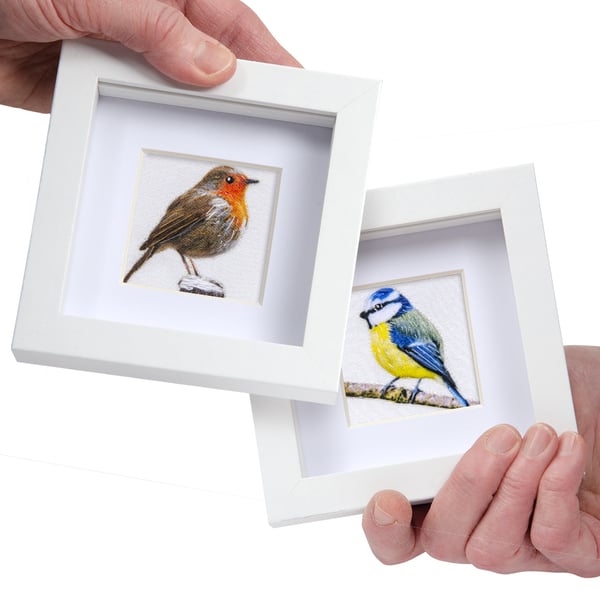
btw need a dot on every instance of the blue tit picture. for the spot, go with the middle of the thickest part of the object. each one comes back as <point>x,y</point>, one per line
<point>405,342</point>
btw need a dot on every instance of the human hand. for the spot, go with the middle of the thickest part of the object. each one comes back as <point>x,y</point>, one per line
<point>511,504</point>
<point>192,41</point>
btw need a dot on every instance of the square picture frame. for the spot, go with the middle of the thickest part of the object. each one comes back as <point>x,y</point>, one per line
<point>109,104</point>
<point>315,466</point>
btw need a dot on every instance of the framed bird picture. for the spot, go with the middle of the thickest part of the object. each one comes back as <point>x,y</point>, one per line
<point>202,226</point>
<point>452,329</point>
<point>409,349</point>
<point>198,236</point>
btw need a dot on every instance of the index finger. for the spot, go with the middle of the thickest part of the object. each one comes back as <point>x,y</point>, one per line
<point>465,497</point>
<point>239,28</point>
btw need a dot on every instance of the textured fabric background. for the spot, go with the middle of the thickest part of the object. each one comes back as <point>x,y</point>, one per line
<point>441,299</point>
<point>163,177</point>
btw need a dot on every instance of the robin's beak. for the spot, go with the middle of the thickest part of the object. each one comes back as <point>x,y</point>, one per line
<point>249,181</point>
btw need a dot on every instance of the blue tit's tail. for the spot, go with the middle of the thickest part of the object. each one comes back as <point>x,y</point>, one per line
<point>457,394</point>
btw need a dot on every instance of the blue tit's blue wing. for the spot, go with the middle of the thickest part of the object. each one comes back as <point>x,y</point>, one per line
<point>416,337</point>
<point>401,338</point>
<point>428,356</point>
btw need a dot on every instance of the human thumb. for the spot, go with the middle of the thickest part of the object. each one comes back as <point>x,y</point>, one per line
<point>165,37</point>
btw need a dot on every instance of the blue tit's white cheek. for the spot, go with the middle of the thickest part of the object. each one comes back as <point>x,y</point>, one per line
<point>385,313</point>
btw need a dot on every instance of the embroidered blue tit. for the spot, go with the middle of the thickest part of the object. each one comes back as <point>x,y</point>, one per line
<point>405,342</point>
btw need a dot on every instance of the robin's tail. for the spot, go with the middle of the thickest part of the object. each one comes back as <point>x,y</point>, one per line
<point>139,263</point>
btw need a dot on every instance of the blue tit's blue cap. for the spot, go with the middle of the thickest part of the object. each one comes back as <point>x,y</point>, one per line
<point>382,293</point>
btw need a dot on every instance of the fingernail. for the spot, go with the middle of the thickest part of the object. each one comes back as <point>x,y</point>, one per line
<point>213,58</point>
<point>536,440</point>
<point>382,518</point>
<point>567,443</point>
<point>501,439</point>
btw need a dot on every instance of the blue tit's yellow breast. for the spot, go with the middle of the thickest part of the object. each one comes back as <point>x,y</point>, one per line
<point>392,359</point>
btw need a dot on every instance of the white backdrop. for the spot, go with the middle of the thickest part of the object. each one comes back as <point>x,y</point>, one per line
<point>118,488</point>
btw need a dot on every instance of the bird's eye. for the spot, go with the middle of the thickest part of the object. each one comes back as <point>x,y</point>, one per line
<point>229,179</point>
<point>378,306</point>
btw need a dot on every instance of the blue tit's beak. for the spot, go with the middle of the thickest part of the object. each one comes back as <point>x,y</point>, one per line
<point>365,315</point>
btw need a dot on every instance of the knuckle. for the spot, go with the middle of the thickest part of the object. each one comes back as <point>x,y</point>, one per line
<point>166,24</point>
<point>154,32</point>
<point>69,17</point>
<point>466,482</point>
<point>516,487</point>
<point>552,484</point>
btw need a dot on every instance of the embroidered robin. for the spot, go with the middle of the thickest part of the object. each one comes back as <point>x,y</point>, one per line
<point>206,220</point>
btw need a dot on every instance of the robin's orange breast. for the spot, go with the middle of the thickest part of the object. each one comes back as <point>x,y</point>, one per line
<point>235,195</point>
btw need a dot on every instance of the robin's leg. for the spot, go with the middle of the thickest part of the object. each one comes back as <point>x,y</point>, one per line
<point>415,391</point>
<point>194,267</point>
<point>187,268</point>
<point>388,387</point>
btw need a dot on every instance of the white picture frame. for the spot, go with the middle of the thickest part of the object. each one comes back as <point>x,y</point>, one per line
<point>101,80</point>
<point>315,466</point>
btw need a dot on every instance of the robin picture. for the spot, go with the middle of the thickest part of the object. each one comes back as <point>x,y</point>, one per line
<point>206,220</point>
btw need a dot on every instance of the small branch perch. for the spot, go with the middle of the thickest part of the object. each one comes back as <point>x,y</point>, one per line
<point>401,395</point>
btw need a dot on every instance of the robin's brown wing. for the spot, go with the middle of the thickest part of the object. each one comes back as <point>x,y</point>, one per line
<point>185,212</point>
